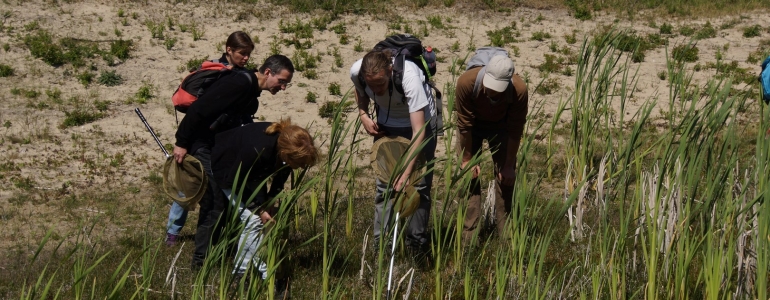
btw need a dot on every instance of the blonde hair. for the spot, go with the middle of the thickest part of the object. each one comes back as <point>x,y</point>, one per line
<point>376,61</point>
<point>295,145</point>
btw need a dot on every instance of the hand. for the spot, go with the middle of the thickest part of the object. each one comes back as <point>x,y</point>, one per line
<point>179,153</point>
<point>371,127</point>
<point>475,170</point>
<point>401,182</point>
<point>265,217</point>
<point>507,176</point>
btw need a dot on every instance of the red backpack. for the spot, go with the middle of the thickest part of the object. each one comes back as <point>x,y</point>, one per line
<point>194,84</point>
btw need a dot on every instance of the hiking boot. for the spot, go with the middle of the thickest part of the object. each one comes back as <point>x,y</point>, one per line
<point>282,289</point>
<point>171,239</point>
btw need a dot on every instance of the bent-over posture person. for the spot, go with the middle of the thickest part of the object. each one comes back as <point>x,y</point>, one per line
<point>261,150</point>
<point>398,115</point>
<point>497,113</point>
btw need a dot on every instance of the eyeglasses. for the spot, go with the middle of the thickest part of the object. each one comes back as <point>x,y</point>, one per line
<point>284,82</point>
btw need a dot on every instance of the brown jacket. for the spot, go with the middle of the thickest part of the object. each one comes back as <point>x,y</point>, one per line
<point>479,113</point>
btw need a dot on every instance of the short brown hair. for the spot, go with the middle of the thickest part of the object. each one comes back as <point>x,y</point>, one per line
<point>295,145</point>
<point>375,61</point>
<point>239,40</point>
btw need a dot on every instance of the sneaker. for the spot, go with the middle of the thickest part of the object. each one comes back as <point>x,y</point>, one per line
<point>171,239</point>
<point>282,289</point>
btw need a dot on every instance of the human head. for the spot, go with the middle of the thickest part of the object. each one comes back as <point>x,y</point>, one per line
<point>295,145</point>
<point>277,72</point>
<point>377,68</point>
<point>238,48</point>
<point>498,74</point>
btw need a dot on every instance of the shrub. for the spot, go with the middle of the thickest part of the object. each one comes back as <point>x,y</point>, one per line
<point>311,74</point>
<point>193,63</point>
<point>80,117</point>
<point>110,78</point>
<point>86,78</point>
<point>327,109</point>
<point>666,28</point>
<point>706,32</point>
<point>549,86</point>
<point>144,93</point>
<point>169,43</point>
<point>6,70</point>
<point>121,48</point>
<point>752,31</point>
<point>335,89</point>
<point>501,37</point>
<point>540,36</point>
<point>41,45</point>
<point>685,53</point>
<point>311,97</point>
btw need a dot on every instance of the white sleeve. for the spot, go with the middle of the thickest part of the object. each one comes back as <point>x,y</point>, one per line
<point>354,70</point>
<point>414,87</point>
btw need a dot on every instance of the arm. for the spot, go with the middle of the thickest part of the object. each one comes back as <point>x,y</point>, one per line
<point>363,111</point>
<point>417,119</point>
<point>516,119</point>
<point>465,119</point>
<point>362,100</point>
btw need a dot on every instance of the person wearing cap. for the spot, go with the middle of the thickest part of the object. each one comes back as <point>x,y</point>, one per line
<point>404,115</point>
<point>496,113</point>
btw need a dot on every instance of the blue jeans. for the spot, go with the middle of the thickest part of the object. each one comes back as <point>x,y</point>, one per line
<point>416,231</point>
<point>250,239</point>
<point>177,216</point>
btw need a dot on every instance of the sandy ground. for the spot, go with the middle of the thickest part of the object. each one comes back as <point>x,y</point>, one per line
<point>100,170</point>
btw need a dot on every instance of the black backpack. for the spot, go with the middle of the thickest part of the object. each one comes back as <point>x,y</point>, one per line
<point>405,47</point>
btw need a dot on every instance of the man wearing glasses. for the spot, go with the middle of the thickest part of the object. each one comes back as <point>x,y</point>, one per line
<point>229,102</point>
<point>496,112</point>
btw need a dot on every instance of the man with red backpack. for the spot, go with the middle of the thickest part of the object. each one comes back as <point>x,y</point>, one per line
<point>229,102</point>
<point>491,104</point>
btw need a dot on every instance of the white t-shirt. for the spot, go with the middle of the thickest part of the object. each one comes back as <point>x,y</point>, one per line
<point>393,110</point>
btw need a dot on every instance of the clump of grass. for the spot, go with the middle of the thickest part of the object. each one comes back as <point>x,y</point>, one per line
<point>706,32</point>
<point>666,28</point>
<point>752,31</point>
<point>144,94</point>
<point>685,53</point>
<point>86,78</point>
<point>435,21</point>
<point>548,86</point>
<point>335,89</point>
<point>552,64</point>
<point>6,70</point>
<point>194,63</point>
<point>80,116</point>
<point>579,9</point>
<point>41,45</point>
<point>310,74</point>
<point>197,31</point>
<point>110,78</point>
<point>540,36</point>
<point>311,97</point>
<point>121,48</point>
<point>169,43</point>
<point>503,36</point>
<point>156,29</point>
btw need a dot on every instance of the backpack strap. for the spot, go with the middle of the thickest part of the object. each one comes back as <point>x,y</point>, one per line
<point>477,84</point>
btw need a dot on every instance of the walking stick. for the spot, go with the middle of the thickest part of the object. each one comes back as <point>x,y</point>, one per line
<point>157,140</point>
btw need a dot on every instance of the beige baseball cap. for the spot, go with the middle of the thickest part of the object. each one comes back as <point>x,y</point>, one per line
<point>498,73</point>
